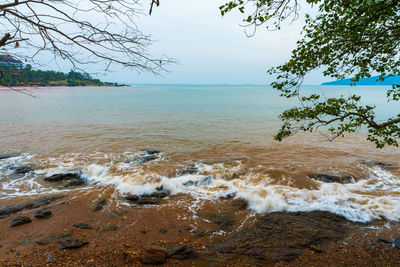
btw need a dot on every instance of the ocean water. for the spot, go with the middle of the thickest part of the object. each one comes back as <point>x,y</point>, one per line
<point>224,133</point>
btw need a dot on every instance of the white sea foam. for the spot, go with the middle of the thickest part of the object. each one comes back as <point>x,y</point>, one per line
<point>375,196</point>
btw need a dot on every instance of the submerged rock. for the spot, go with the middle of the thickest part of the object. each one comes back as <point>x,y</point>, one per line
<point>41,202</point>
<point>29,205</point>
<point>332,178</point>
<point>82,226</point>
<point>59,238</point>
<point>99,205</point>
<point>73,243</point>
<point>147,199</point>
<point>378,164</point>
<point>107,227</point>
<point>182,253</point>
<point>281,236</point>
<point>20,220</point>
<point>43,214</point>
<point>153,255</point>
<point>152,152</point>
<point>11,210</point>
<point>205,181</point>
<point>68,179</point>
<point>188,170</point>
<point>146,158</point>
<point>22,169</point>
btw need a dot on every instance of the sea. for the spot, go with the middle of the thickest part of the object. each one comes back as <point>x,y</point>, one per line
<point>206,141</point>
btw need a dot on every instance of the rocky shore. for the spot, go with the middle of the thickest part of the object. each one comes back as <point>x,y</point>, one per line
<point>101,228</point>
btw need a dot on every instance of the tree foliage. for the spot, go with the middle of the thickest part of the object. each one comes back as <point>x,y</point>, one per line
<point>28,77</point>
<point>88,32</point>
<point>346,38</point>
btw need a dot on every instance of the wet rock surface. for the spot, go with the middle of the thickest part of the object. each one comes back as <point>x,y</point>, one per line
<point>82,226</point>
<point>147,199</point>
<point>43,214</point>
<point>20,220</point>
<point>29,205</point>
<point>99,205</point>
<point>73,243</point>
<point>107,227</point>
<point>188,170</point>
<point>67,179</point>
<point>378,164</point>
<point>22,169</point>
<point>281,236</point>
<point>153,255</point>
<point>205,181</point>
<point>332,178</point>
<point>181,253</point>
<point>222,221</point>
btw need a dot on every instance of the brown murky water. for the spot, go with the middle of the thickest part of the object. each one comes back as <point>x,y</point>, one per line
<point>211,142</point>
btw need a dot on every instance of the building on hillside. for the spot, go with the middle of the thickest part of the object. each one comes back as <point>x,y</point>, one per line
<point>8,60</point>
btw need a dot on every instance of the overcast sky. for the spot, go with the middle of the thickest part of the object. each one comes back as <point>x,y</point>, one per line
<point>210,49</point>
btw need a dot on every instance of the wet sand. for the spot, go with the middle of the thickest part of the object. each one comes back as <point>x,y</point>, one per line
<point>175,222</point>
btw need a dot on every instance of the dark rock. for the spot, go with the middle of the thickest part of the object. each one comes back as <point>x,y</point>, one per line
<point>396,243</point>
<point>132,198</point>
<point>22,169</point>
<point>43,214</point>
<point>20,220</point>
<point>99,205</point>
<point>82,226</point>
<point>11,210</point>
<point>107,227</point>
<point>188,170</point>
<point>42,201</point>
<point>145,159</point>
<point>205,181</point>
<point>28,205</point>
<point>153,255</point>
<point>162,231</point>
<point>158,195</point>
<point>68,179</point>
<point>332,178</point>
<point>73,243</point>
<point>189,183</point>
<point>182,253</point>
<point>378,164</point>
<point>59,238</point>
<point>147,201</point>
<point>280,236</point>
<point>384,241</point>
<point>152,152</point>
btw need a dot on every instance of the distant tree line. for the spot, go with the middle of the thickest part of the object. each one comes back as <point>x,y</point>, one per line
<point>26,76</point>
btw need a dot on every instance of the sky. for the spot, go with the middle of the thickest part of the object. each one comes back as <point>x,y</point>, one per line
<point>209,48</point>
